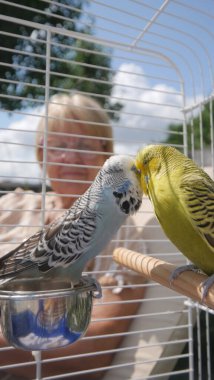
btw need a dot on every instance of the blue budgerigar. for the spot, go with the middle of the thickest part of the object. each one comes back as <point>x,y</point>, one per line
<point>61,249</point>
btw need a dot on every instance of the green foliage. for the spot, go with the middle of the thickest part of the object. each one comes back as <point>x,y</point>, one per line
<point>175,131</point>
<point>73,62</point>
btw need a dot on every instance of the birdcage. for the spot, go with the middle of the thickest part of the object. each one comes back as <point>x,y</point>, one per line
<point>149,65</point>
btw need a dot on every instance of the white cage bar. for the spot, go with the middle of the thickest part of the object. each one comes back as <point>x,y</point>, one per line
<point>160,71</point>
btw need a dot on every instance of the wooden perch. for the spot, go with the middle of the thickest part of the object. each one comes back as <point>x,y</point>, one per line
<point>187,283</point>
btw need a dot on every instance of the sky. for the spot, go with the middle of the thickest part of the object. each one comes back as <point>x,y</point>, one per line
<point>152,63</point>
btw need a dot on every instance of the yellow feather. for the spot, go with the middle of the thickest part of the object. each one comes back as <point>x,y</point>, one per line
<point>183,198</point>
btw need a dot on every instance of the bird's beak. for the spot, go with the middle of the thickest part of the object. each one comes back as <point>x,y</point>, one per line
<point>141,174</point>
<point>146,178</point>
<point>136,170</point>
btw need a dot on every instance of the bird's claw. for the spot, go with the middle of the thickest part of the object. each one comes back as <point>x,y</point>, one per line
<point>97,290</point>
<point>97,293</point>
<point>94,285</point>
<point>206,285</point>
<point>181,269</point>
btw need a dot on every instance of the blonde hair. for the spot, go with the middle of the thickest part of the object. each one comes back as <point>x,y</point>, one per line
<point>66,110</point>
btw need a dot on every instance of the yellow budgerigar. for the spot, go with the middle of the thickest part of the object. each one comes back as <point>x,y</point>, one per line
<point>183,198</point>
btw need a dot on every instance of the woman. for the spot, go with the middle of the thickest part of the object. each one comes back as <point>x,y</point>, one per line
<point>71,146</point>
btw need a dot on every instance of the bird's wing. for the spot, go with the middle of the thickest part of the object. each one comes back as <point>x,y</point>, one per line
<point>13,262</point>
<point>199,202</point>
<point>58,244</point>
<point>63,244</point>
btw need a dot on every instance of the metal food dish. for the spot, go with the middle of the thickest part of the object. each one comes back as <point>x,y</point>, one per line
<point>41,315</point>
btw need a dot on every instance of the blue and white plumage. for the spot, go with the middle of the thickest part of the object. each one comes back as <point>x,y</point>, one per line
<point>62,249</point>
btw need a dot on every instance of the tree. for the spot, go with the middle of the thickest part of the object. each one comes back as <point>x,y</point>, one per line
<point>175,131</point>
<point>74,64</point>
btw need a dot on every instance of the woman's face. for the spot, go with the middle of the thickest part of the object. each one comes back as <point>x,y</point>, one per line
<point>68,167</point>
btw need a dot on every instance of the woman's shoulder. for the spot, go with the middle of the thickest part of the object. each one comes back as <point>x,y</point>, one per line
<point>20,198</point>
<point>20,216</point>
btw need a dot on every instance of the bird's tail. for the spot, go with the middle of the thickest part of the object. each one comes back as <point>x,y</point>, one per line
<point>3,281</point>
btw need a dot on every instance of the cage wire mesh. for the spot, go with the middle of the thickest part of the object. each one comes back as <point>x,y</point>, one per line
<point>150,65</point>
